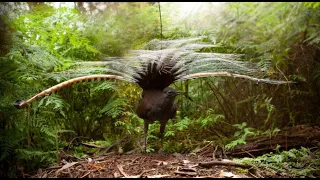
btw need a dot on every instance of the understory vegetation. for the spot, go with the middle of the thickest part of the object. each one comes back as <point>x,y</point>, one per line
<point>41,46</point>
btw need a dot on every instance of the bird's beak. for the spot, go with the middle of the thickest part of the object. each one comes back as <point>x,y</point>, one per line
<point>179,92</point>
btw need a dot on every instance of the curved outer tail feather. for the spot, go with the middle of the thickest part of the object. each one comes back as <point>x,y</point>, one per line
<point>198,75</point>
<point>22,104</point>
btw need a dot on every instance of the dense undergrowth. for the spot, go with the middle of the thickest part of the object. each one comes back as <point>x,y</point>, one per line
<point>40,42</point>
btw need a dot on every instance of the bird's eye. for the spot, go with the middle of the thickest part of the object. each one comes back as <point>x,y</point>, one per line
<point>170,92</point>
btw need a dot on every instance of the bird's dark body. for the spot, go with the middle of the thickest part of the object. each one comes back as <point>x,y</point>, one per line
<point>156,105</point>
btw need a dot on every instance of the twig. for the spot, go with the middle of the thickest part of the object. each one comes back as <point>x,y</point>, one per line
<point>224,154</point>
<point>121,170</point>
<point>193,166</point>
<point>100,158</point>
<point>223,163</point>
<point>70,174</point>
<point>86,174</point>
<point>205,146</point>
<point>248,153</point>
<point>73,140</point>
<point>252,174</point>
<point>54,167</point>
<point>188,169</point>
<point>92,145</point>
<point>145,171</point>
<point>103,161</point>
<point>214,153</point>
<point>255,173</point>
<point>133,160</point>
<point>186,173</point>
<point>114,144</point>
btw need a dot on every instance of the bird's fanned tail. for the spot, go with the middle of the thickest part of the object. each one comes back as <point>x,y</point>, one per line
<point>156,68</point>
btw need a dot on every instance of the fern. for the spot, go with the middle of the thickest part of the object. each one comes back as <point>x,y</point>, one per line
<point>169,133</point>
<point>43,158</point>
<point>242,133</point>
<point>114,108</point>
<point>296,163</point>
<point>183,124</point>
<point>104,86</point>
<point>210,119</point>
<point>6,147</point>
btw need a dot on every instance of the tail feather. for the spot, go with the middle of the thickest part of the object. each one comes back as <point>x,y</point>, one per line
<point>269,81</point>
<point>21,104</point>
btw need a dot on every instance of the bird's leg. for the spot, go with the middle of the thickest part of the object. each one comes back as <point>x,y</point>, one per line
<point>146,126</point>
<point>162,128</point>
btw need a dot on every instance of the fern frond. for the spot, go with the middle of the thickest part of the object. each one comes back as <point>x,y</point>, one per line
<point>114,108</point>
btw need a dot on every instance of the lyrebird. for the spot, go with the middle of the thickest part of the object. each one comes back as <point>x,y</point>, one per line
<point>155,70</point>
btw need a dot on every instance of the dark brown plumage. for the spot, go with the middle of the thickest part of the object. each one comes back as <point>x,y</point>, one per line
<point>157,105</point>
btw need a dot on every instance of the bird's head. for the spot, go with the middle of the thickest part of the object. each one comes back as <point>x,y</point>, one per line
<point>171,92</point>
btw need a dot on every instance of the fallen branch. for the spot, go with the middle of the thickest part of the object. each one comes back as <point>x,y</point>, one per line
<point>295,137</point>
<point>223,163</point>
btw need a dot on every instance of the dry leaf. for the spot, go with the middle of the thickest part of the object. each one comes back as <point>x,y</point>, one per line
<point>66,166</point>
<point>228,174</point>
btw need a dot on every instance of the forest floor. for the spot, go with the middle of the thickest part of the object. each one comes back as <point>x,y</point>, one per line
<point>203,164</point>
<point>150,165</point>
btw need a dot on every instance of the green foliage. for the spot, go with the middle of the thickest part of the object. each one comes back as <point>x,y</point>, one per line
<point>79,152</point>
<point>295,163</point>
<point>287,35</point>
<point>269,28</point>
<point>114,32</point>
<point>272,132</point>
<point>103,143</point>
<point>55,103</point>
<point>114,108</point>
<point>265,104</point>
<point>36,156</point>
<point>313,5</point>
<point>210,119</point>
<point>182,124</point>
<point>241,134</point>
<point>61,36</point>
